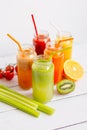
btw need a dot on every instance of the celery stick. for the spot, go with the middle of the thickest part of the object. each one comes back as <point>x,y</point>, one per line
<point>44,108</point>
<point>16,103</point>
<point>41,107</point>
<point>18,96</point>
<point>21,101</point>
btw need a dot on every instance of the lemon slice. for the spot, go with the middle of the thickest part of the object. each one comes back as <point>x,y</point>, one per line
<point>73,70</point>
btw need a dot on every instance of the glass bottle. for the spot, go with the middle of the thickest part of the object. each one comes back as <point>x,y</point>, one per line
<point>57,59</point>
<point>65,43</point>
<point>40,41</point>
<point>42,78</point>
<point>24,64</point>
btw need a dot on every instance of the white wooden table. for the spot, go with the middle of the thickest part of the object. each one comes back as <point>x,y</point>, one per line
<point>70,110</point>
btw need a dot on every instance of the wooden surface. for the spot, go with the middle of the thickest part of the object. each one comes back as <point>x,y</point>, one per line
<point>70,110</point>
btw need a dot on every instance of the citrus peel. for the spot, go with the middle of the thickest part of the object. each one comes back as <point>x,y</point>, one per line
<point>73,70</point>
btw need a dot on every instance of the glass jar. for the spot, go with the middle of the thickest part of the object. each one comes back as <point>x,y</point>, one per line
<point>40,41</point>
<point>42,78</point>
<point>24,63</point>
<point>57,59</point>
<point>65,43</point>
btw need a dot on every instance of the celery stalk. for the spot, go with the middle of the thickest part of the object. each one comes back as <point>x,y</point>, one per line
<point>41,107</point>
<point>16,103</point>
<point>44,108</point>
<point>18,99</point>
<point>18,96</point>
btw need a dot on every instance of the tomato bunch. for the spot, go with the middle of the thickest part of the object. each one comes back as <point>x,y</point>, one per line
<point>8,72</point>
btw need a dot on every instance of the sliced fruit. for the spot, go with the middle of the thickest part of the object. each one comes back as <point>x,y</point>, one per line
<point>65,86</point>
<point>73,70</point>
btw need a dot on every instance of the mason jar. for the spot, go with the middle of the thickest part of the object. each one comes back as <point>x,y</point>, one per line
<point>24,64</point>
<point>40,41</point>
<point>57,59</point>
<point>66,41</point>
<point>43,78</point>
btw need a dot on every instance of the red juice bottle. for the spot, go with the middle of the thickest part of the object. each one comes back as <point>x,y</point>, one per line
<point>40,41</point>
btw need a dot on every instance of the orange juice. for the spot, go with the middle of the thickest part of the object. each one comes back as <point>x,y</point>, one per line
<point>65,44</point>
<point>24,63</point>
<point>57,59</point>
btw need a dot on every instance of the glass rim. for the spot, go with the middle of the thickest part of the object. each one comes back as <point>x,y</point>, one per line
<point>27,48</point>
<point>42,59</point>
<point>52,45</point>
<point>64,33</point>
<point>42,32</point>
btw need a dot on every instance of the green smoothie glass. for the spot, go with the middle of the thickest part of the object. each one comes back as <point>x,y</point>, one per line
<point>43,78</point>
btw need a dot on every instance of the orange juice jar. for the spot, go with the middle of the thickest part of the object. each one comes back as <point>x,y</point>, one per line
<point>57,59</point>
<point>66,41</point>
<point>24,63</point>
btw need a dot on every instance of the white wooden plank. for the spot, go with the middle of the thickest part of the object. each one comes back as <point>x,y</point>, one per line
<point>77,126</point>
<point>80,89</point>
<point>68,112</point>
<point>70,109</point>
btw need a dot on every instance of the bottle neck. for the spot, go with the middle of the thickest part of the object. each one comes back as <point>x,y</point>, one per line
<point>42,35</point>
<point>53,47</point>
<point>42,60</point>
<point>28,49</point>
<point>64,35</point>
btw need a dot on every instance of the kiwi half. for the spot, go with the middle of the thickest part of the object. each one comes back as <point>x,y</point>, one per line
<point>65,86</point>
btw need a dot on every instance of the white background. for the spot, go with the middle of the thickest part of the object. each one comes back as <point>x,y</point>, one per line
<point>15,18</point>
<point>70,15</point>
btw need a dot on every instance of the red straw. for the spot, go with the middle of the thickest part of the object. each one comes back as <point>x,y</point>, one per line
<point>34,24</point>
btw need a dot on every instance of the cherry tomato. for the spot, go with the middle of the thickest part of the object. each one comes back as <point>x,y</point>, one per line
<point>10,68</point>
<point>8,74</point>
<point>16,69</point>
<point>1,74</point>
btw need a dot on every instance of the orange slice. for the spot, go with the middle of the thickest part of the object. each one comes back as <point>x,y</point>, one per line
<point>73,70</point>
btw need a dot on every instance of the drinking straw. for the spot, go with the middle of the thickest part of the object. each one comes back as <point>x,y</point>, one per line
<point>62,50</point>
<point>34,24</point>
<point>57,29</point>
<point>64,40</point>
<point>11,37</point>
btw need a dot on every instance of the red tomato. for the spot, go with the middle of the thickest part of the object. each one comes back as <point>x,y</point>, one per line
<point>8,74</point>
<point>1,74</point>
<point>10,68</point>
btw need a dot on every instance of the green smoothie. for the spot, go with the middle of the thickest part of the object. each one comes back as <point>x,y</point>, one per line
<point>43,80</point>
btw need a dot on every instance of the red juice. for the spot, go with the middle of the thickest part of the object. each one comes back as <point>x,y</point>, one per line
<point>40,42</point>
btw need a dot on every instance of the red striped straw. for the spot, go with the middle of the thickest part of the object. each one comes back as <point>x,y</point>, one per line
<point>34,24</point>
